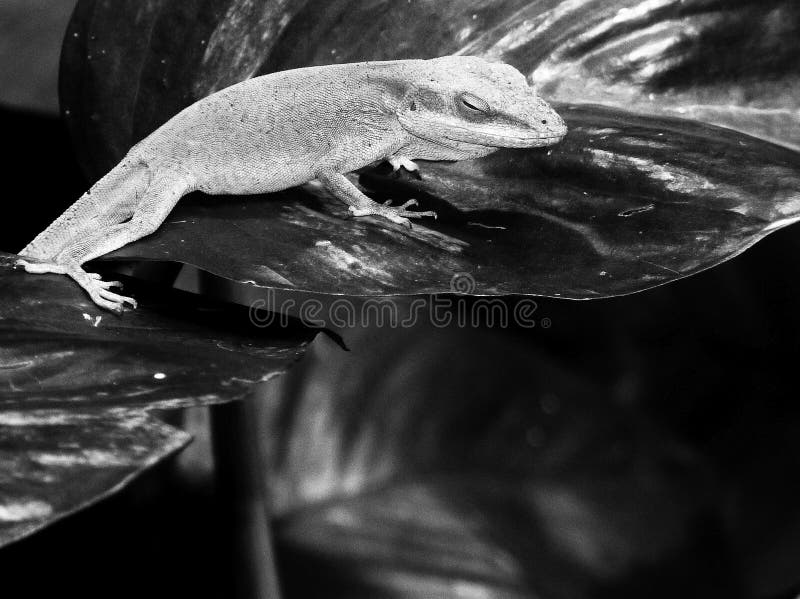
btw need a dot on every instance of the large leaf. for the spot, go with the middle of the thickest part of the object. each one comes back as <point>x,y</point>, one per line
<point>623,204</point>
<point>55,462</point>
<point>626,202</point>
<point>732,63</point>
<point>75,382</point>
<point>59,349</point>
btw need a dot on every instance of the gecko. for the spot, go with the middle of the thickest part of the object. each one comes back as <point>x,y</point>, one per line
<point>284,129</point>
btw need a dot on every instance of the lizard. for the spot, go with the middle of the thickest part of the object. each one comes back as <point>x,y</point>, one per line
<point>284,129</point>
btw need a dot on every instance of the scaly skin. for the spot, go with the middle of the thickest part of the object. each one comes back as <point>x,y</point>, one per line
<point>284,129</point>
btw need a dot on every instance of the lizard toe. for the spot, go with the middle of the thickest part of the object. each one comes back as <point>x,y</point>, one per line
<point>412,214</point>
<point>39,268</point>
<point>398,218</point>
<point>361,211</point>
<point>105,303</point>
<point>116,300</point>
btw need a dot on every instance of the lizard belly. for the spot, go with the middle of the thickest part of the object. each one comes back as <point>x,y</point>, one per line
<point>252,176</point>
<point>240,168</point>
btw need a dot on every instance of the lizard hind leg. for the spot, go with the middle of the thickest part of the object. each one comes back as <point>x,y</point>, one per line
<point>139,215</point>
<point>110,200</point>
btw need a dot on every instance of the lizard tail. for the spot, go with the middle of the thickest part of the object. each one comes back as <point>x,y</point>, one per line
<point>112,200</point>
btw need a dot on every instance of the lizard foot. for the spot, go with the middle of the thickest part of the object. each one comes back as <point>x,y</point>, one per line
<point>98,289</point>
<point>402,161</point>
<point>396,214</point>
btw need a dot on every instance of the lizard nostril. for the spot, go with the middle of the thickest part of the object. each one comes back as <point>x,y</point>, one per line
<point>544,121</point>
<point>413,106</point>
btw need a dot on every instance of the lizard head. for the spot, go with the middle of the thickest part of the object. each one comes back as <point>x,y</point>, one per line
<point>474,106</point>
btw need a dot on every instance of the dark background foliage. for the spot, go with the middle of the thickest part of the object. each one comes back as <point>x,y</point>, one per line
<point>710,359</point>
<point>675,414</point>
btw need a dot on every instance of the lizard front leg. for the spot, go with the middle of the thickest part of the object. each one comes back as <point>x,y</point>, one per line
<point>361,205</point>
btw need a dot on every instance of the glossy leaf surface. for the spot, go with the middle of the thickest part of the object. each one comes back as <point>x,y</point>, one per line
<point>623,204</point>
<point>60,349</point>
<point>75,382</point>
<point>55,462</point>
<point>729,62</point>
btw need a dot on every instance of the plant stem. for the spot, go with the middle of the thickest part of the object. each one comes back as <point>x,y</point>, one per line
<point>240,474</point>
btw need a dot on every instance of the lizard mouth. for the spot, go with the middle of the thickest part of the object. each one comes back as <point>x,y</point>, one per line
<point>454,136</point>
<point>534,139</point>
<point>537,141</point>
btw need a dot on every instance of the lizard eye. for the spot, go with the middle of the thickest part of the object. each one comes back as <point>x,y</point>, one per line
<point>475,104</point>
